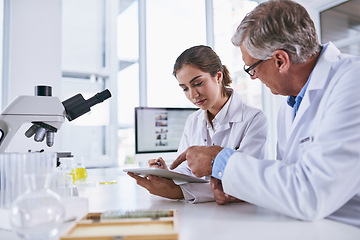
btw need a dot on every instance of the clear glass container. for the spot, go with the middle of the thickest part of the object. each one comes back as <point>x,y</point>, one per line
<point>39,212</point>
<point>65,178</point>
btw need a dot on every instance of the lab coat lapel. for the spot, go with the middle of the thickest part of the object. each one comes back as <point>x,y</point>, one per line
<point>235,112</point>
<point>289,118</point>
<point>317,81</point>
<point>293,125</point>
<point>305,103</point>
<point>235,115</point>
<point>203,123</point>
<point>313,93</point>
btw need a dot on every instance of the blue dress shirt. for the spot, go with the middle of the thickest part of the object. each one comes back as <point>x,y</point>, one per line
<point>220,162</point>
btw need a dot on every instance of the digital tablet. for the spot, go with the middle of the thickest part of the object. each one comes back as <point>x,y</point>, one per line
<point>165,174</point>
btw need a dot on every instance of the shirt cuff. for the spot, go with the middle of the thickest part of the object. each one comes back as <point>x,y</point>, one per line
<point>220,162</point>
<point>187,196</point>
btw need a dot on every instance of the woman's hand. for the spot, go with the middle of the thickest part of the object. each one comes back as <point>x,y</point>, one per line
<point>159,186</point>
<point>157,163</point>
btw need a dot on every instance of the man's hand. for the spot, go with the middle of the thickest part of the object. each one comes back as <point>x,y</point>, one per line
<point>219,195</point>
<point>199,159</point>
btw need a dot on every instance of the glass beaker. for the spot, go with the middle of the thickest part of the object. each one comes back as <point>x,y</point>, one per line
<point>64,184</point>
<point>39,212</point>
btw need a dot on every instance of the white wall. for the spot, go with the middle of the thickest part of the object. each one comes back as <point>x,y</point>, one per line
<point>34,46</point>
<point>33,54</point>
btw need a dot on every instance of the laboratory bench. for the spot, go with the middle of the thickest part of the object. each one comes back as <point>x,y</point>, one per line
<point>111,189</point>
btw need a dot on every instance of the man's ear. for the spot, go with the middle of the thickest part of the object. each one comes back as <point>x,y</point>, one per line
<point>282,60</point>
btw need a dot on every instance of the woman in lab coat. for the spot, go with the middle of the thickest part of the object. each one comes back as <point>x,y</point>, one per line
<point>223,119</point>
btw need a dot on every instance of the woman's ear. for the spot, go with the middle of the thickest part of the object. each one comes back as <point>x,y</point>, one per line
<point>219,77</point>
<point>282,60</point>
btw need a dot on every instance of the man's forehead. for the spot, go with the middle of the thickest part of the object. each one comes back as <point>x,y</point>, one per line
<point>245,54</point>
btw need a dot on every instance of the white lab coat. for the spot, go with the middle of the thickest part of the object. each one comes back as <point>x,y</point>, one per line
<point>318,174</point>
<point>243,128</point>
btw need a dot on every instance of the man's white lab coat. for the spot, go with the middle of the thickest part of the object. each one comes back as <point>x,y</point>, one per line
<point>318,172</point>
<point>243,128</point>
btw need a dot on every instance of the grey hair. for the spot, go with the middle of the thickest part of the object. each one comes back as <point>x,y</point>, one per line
<point>278,24</point>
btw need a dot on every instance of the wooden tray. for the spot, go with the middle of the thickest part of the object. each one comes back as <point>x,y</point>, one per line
<point>93,227</point>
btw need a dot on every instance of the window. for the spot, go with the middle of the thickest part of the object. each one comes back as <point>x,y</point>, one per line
<point>127,78</point>
<point>87,27</point>
<point>227,16</point>
<point>171,27</point>
<point>341,25</point>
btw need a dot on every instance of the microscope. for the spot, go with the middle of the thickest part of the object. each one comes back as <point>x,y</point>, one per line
<point>45,112</point>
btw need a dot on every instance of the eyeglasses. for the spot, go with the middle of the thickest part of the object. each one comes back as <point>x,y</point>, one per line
<point>250,70</point>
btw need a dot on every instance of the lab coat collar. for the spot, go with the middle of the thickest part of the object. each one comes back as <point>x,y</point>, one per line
<point>229,113</point>
<point>317,81</point>
<point>220,117</point>
<point>233,110</point>
<point>323,65</point>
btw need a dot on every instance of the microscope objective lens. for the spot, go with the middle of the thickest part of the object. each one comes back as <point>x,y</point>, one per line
<point>31,131</point>
<point>40,134</point>
<point>50,138</point>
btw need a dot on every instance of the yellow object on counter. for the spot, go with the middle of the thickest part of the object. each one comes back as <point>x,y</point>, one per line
<point>79,173</point>
<point>108,182</point>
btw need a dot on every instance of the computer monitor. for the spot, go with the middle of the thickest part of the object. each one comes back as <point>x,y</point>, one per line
<point>158,132</point>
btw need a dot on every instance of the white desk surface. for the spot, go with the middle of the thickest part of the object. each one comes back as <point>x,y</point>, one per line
<point>204,220</point>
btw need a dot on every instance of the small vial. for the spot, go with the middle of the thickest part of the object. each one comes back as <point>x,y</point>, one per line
<point>79,172</point>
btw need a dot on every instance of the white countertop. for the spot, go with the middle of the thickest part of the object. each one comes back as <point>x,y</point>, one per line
<point>204,220</point>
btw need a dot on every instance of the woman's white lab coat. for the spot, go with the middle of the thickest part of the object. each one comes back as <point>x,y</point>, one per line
<point>318,174</point>
<point>243,128</point>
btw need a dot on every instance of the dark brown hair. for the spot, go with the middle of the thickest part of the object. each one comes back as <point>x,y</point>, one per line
<point>205,59</point>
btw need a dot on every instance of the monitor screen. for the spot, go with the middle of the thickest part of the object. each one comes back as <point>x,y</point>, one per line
<point>159,129</point>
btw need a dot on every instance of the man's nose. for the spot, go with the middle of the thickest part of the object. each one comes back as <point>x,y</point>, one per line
<point>253,77</point>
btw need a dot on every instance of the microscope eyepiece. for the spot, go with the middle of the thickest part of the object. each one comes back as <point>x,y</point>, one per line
<point>43,91</point>
<point>77,105</point>
<point>99,97</point>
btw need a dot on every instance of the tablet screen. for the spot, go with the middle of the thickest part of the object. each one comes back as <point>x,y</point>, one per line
<point>166,174</point>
